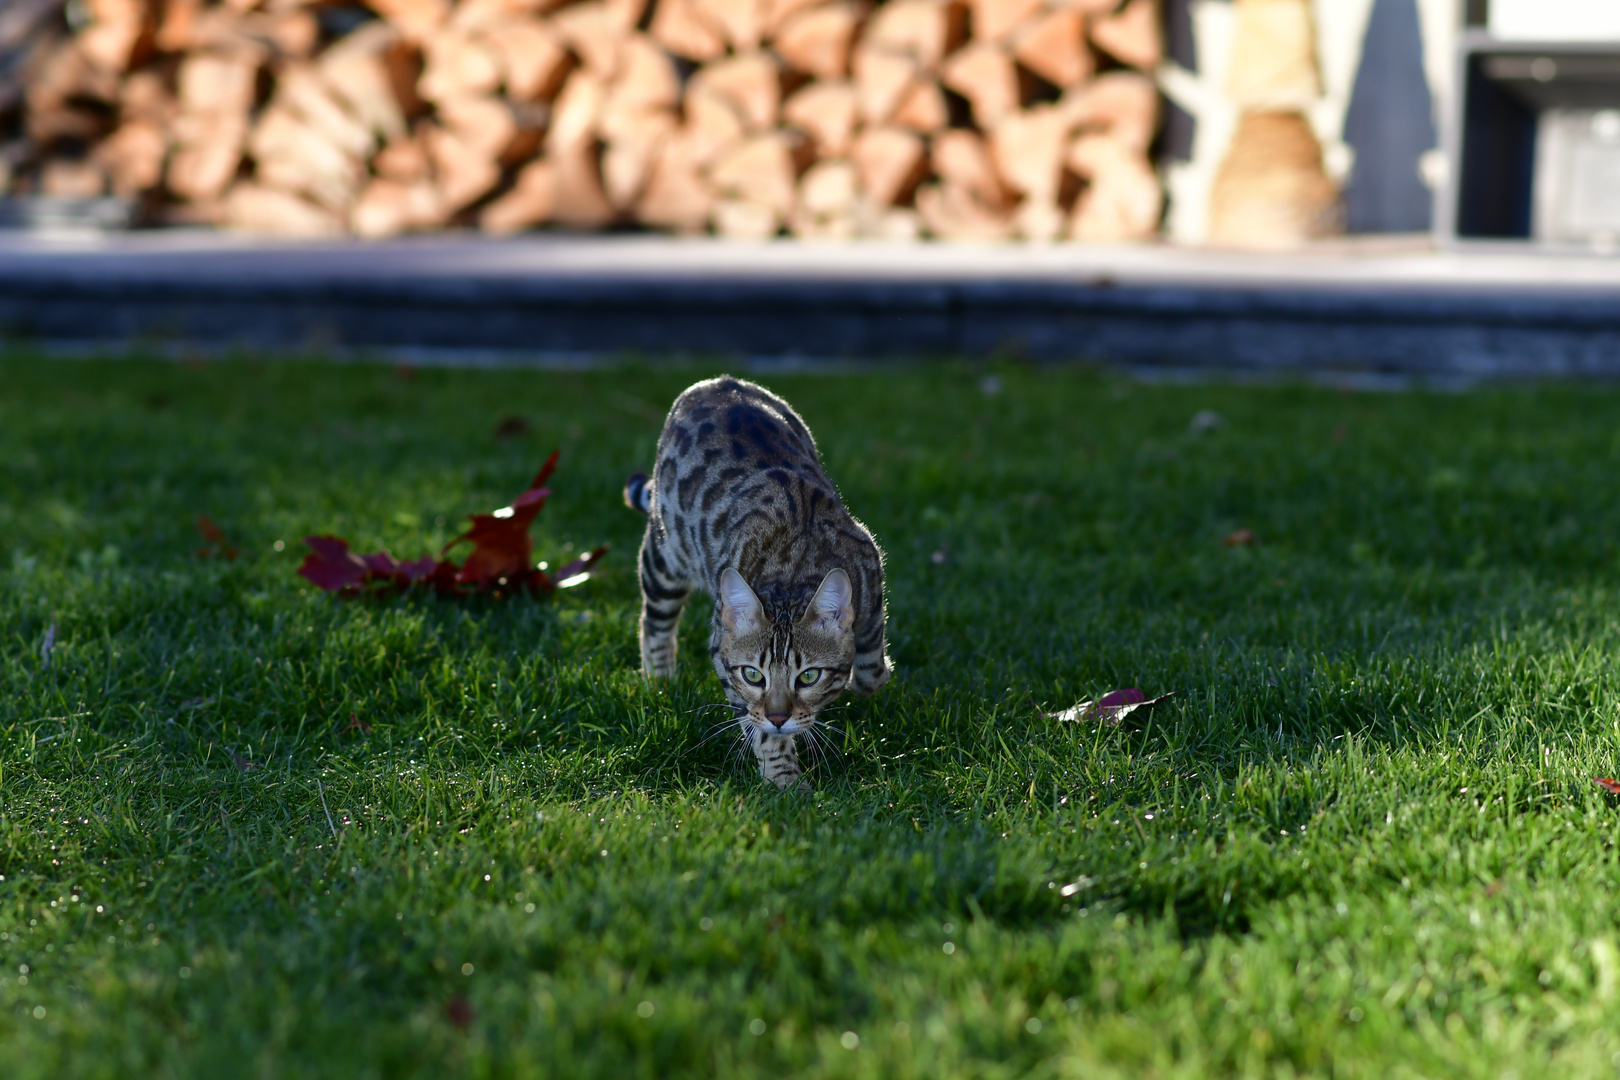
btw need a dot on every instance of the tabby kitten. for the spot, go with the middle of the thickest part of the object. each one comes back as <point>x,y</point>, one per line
<point>738,506</point>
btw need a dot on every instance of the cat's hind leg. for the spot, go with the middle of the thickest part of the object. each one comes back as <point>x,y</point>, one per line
<point>663,597</point>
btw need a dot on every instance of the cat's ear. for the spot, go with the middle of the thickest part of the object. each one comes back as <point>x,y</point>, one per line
<point>834,605</point>
<point>739,607</point>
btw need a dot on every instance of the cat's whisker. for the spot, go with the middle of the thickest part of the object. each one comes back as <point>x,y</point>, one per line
<point>813,744</point>
<point>824,746</point>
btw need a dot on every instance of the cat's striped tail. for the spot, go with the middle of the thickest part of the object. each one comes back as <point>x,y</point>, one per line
<point>637,493</point>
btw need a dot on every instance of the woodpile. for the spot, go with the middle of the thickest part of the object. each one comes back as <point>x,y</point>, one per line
<point>826,119</point>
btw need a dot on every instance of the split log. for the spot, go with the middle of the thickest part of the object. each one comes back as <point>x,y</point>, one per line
<point>993,20</point>
<point>1271,191</point>
<point>464,172</point>
<point>712,124</point>
<point>826,112</point>
<point>827,202</point>
<point>359,70</point>
<point>881,81</point>
<point>1039,220</point>
<point>1132,35</point>
<point>676,196</point>
<point>925,30</point>
<point>417,20</point>
<point>778,12</point>
<point>1027,148</point>
<point>303,90</point>
<point>59,89</point>
<point>575,113</point>
<point>457,65</point>
<point>923,108</point>
<point>145,96</point>
<point>1121,104</point>
<point>818,41</point>
<point>634,142</point>
<point>66,73</point>
<point>404,160</point>
<point>210,83</point>
<point>646,76</point>
<point>759,171</point>
<point>891,162</point>
<point>64,179</point>
<point>485,125</point>
<point>215,96</point>
<point>388,207</point>
<point>119,33</point>
<point>740,22</point>
<point>737,219</point>
<point>531,202</point>
<point>293,156</point>
<point>533,59</point>
<point>188,26</point>
<point>593,30</point>
<point>679,27</point>
<point>984,74</point>
<point>1054,47</point>
<point>753,83</point>
<point>961,159</point>
<point>176,26</point>
<point>630,12</point>
<point>896,225</point>
<point>255,208</point>
<point>133,156</point>
<point>207,155</point>
<point>950,212</point>
<point>1122,199</point>
<point>580,200</point>
<point>481,14</point>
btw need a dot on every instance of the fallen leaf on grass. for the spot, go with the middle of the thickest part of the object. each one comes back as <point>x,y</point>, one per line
<point>356,723</point>
<point>1112,708</point>
<point>215,536</point>
<point>1238,538</point>
<point>501,562</point>
<point>1611,786</point>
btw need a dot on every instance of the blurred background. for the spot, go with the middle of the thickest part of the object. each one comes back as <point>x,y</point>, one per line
<point>1233,123</point>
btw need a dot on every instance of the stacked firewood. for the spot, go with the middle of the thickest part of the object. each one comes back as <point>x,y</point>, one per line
<point>958,119</point>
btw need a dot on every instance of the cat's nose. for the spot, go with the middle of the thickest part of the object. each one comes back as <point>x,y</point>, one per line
<point>778,718</point>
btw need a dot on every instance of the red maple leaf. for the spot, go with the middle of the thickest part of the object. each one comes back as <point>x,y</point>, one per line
<point>330,565</point>
<point>501,561</point>
<point>502,552</point>
<point>1611,786</point>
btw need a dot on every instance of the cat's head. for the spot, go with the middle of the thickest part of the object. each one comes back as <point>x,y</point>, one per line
<point>785,669</point>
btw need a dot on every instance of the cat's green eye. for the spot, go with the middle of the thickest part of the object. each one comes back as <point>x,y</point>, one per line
<point>809,677</point>
<point>753,675</point>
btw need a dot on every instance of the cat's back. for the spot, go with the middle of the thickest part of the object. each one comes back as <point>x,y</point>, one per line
<point>738,481</point>
<point>735,424</point>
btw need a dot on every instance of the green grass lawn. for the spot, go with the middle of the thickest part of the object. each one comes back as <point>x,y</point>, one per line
<point>1361,840</point>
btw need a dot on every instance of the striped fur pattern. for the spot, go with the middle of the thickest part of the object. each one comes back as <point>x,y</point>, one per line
<point>739,507</point>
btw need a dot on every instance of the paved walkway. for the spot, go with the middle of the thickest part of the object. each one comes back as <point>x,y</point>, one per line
<point>1379,305</point>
